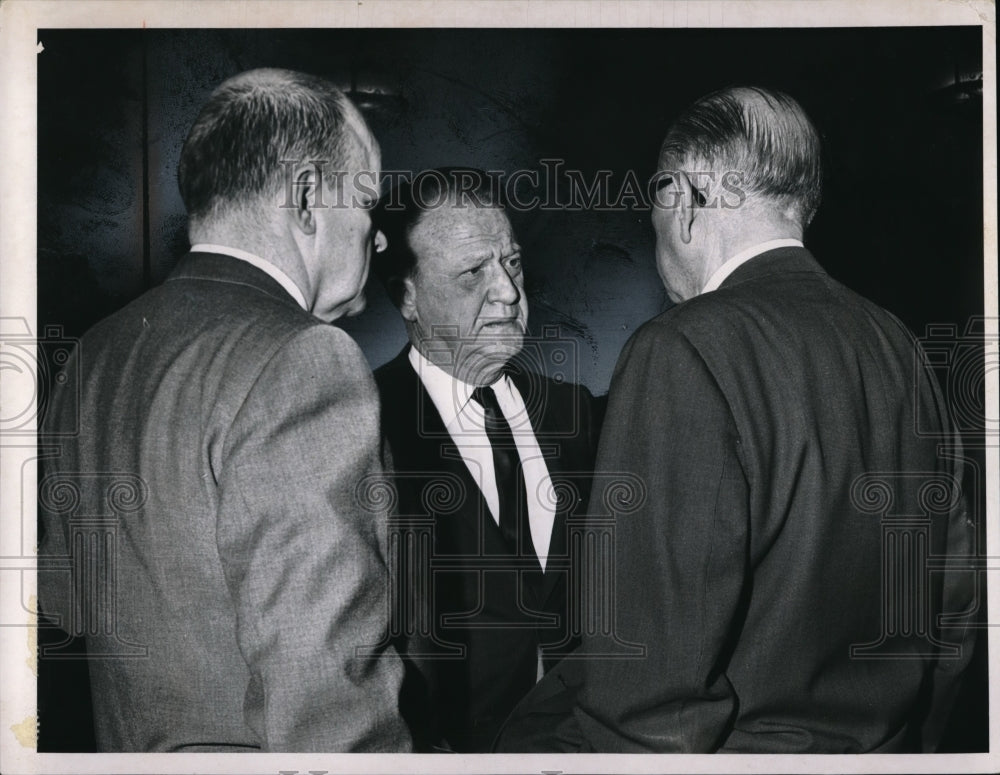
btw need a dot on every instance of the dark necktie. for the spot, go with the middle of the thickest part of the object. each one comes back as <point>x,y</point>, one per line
<point>509,476</point>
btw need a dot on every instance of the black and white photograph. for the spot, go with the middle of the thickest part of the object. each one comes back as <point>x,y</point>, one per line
<point>497,387</point>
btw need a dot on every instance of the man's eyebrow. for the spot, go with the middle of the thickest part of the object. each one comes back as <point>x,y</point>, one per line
<point>475,259</point>
<point>481,247</point>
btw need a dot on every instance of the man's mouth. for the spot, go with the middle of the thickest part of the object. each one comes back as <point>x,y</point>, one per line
<point>502,323</point>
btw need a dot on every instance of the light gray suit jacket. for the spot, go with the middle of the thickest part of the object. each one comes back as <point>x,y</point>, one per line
<point>215,552</point>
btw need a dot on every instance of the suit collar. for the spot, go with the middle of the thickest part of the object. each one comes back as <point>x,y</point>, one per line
<point>399,379</point>
<point>273,270</point>
<point>740,258</point>
<point>531,385</point>
<point>773,262</point>
<point>406,386</point>
<point>449,394</point>
<point>399,365</point>
<point>215,267</point>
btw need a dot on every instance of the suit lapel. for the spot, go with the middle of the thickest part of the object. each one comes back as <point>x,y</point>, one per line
<point>434,447</point>
<point>544,415</point>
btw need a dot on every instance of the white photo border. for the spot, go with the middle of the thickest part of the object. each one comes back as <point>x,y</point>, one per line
<point>19,22</point>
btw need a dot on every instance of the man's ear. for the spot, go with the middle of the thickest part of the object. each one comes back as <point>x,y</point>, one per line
<point>306,187</point>
<point>686,209</point>
<point>408,301</point>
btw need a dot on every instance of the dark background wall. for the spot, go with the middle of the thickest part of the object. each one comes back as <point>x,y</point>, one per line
<point>898,109</point>
<point>901,221</point>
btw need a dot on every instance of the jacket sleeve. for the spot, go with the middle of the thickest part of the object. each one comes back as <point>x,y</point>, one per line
<point>593,417</point>
<point>961,611</point>
<point>680,551</point>
<point>956,626</point>
<point>304,561</point>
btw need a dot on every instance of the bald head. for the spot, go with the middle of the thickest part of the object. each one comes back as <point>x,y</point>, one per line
<point>761,136</point>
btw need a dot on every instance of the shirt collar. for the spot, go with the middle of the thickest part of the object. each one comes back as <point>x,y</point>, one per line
<point>263,265</point>
<point>449,394</point>
<point>720,274</point>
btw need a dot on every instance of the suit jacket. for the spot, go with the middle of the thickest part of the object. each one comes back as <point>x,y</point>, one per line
<point>226,574</point>
<point>475,654</point>
<point>777,571</point>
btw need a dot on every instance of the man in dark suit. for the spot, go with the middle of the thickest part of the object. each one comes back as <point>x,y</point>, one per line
<point>220,566</point>
<point>778,569</point>
<point>463,415</point>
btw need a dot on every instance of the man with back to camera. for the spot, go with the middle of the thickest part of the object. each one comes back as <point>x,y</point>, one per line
<point>461,410</point>
<point>227,426</point>
<point>773,416</point>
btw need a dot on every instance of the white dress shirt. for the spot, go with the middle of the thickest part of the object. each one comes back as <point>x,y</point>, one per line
<point>264,266</point>
<point>465,422</point>
<point>743,256</point>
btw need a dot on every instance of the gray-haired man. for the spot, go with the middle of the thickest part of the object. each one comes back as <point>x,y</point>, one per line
<point>242,576</point>
<point>773,417</point>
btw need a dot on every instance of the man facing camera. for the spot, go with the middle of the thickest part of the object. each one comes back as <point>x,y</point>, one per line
<point>224,428</point>
<point>463,415</point>
<point>778,570</point>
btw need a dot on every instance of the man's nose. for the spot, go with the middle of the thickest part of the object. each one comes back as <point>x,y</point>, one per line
<point>503,288</point>
<point>380,241</point>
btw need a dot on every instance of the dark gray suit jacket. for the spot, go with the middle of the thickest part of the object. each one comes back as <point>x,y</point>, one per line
<point>225,573</point>
<point>477,656</point>
<point>778,570</point>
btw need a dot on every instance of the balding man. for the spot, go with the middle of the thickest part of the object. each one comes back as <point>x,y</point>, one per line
<point>465,415</point>
<point>776,569</point>
<point>224,428</point>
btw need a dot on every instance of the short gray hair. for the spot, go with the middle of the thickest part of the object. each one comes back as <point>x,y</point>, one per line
<point>762,135</point>
<point>252,123</point>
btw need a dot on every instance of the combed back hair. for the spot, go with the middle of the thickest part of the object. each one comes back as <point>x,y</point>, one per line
<point>252,123</point>
<point>761,135</point>
<point>401,209</point>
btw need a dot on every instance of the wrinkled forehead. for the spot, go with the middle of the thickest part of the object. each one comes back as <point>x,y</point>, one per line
<point>462,228</point>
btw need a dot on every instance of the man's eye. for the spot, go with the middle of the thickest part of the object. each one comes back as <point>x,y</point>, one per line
<point>514,263</point>
<point>473,271</point>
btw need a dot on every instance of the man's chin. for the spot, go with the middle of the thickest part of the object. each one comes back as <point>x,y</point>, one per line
<point>482,365</point>
<point>347,309</point>
<point>357,305</point>
<point>350,309</point>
